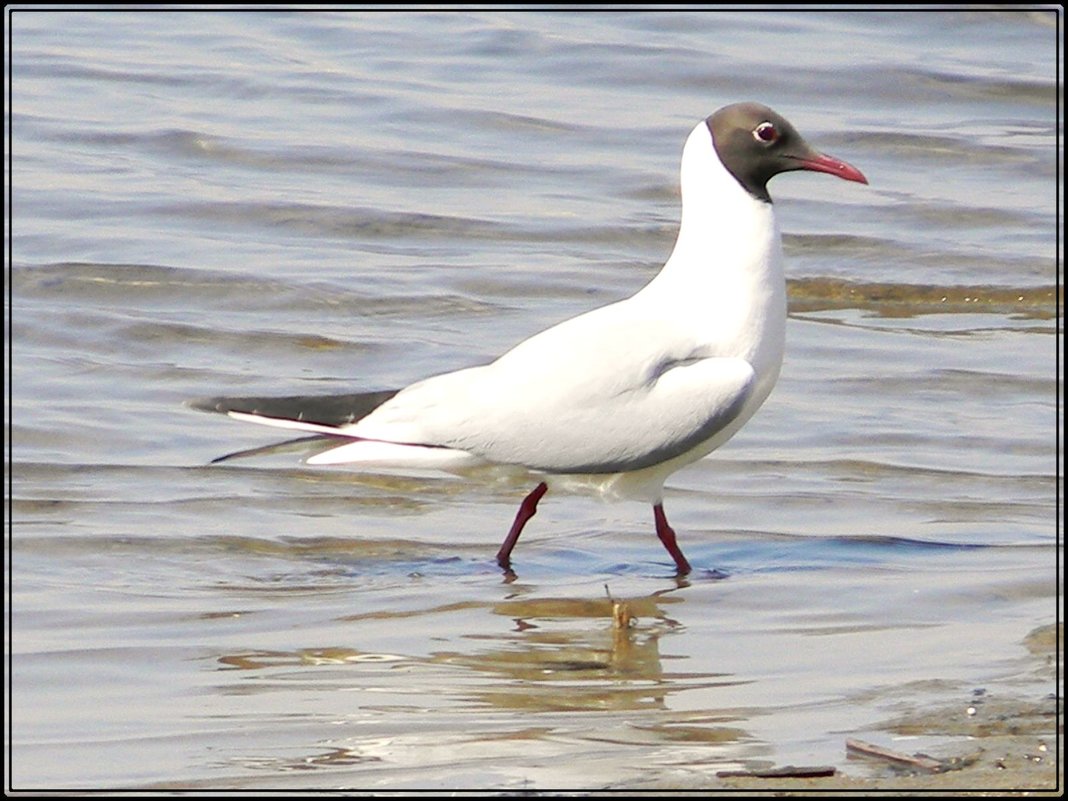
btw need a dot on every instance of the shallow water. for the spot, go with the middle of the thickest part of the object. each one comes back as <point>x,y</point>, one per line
<point>277,203</point>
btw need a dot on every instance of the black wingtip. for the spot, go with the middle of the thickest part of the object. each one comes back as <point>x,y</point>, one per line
<point>208,405</point>
<point>326,410</point>
<point>300,443</point>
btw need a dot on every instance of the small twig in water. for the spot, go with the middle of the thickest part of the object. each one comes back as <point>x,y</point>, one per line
<point>920,761</point>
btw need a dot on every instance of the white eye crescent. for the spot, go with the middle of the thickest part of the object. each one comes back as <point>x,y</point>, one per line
<point>766,133</point>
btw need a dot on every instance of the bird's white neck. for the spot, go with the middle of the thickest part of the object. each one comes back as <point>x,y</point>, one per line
<point>726,268</point>
<point>724,279</point>
<point>726,236</point>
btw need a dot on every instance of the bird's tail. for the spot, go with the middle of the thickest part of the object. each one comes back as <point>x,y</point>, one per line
<point>322,414</point>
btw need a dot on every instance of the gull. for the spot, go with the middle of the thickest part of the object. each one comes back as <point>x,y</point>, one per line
<point>616,399</point>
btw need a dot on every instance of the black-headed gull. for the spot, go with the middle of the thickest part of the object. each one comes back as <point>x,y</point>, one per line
<point>618,398</point>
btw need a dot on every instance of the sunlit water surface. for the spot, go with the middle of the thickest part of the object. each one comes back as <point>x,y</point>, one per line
<point>281,203</point>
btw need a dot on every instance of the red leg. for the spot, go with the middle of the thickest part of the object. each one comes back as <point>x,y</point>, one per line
<point>667,537</point>
<point>527,509</point>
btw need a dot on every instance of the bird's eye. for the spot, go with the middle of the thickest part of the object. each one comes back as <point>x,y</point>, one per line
<point>766,133</point>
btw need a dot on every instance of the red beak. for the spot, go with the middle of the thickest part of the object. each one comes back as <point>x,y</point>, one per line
<point>833,166</point>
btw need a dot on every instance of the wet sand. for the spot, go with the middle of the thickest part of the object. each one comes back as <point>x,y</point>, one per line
<point>996,743</point>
